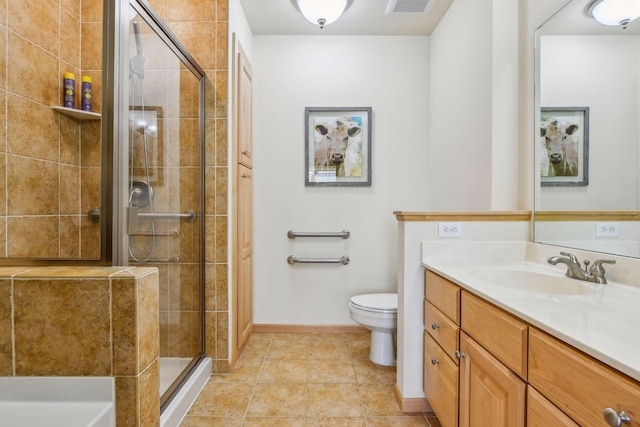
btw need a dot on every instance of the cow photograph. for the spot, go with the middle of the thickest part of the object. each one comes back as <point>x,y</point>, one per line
<point>338,147</point>
<point>563,146</point>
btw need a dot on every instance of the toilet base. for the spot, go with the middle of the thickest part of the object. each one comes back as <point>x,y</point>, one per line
<point>383,348</point>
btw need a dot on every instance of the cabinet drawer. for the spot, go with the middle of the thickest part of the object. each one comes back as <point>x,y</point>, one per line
<point>499,332</point>
<point>440,382</point>
<point>443,294</point>
<point>542,413</point>
<point>578,384</point>
<point>442,329</point>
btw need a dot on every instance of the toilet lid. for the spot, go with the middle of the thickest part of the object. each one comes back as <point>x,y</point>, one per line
<point>376,302</point>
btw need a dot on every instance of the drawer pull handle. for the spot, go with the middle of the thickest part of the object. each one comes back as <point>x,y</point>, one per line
<point>459,355</point>
<point>615,419</point>
<point>434,361</point>
<point>434,325</point>
<point>244,153</point>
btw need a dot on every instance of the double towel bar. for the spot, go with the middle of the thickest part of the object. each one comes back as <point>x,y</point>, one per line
<point>293,234</point>
<point>344,260</point>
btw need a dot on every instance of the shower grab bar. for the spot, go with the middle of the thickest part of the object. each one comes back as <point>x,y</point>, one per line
<point>293,234</point>
<point>344,260</point>
<point>158,233</point>
<point>190,216</point>
<point>174,258</point>
<point>134,216</point>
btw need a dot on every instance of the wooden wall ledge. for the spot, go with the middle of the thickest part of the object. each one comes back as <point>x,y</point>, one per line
<point>464,216</point>
<point>587,216</point>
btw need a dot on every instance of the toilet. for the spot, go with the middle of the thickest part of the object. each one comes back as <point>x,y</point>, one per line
<point>379,314</point>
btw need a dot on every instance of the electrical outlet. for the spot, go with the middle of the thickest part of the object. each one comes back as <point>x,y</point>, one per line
<point>449,229</point>
<point>607,229</point>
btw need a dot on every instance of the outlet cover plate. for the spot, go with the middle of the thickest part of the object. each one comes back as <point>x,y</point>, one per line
<point>607,229</point>
<point>449,229</point>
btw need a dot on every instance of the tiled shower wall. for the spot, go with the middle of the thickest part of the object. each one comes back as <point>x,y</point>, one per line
<point>51,162</point>
<point>201,25</point>
<point>44,209</point>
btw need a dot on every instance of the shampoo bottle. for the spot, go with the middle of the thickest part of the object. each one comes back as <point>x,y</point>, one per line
<point>86,93</point>
<point>69,90</point>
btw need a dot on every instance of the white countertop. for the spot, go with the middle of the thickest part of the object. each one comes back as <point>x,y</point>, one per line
<point>604,322</point>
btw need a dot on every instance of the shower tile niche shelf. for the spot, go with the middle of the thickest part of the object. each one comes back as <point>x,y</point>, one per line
<point>78,114</point>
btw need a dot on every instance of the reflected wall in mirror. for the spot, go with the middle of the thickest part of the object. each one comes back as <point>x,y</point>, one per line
<point>580,62</point>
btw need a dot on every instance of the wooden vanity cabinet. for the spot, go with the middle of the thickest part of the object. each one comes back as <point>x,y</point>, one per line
<point>441,341</point>
<point>465,384</point>
<point>505,372</point>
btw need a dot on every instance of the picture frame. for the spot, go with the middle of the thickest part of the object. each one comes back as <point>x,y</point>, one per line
<point>564,146</point>
<point>338,146</point>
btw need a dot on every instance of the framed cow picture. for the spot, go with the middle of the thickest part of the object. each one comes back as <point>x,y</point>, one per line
<point>563,148</point>
<point>337,146</point>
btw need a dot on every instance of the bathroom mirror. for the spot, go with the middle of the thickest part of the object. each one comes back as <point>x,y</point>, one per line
<point>582,65</point>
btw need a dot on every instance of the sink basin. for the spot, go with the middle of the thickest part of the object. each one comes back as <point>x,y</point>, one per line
<point>532,281</point>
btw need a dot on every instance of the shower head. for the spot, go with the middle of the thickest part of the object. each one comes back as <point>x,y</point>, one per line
<point>136,33</point>
<point>136,64</point>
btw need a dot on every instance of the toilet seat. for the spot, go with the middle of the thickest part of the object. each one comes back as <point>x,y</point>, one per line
<point>376,303</point>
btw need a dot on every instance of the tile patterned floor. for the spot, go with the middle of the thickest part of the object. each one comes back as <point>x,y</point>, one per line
<point>320,380</point>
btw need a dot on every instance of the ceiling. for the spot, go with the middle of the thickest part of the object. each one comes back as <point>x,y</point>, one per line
<point>362,17</point>
<point>574,19</point>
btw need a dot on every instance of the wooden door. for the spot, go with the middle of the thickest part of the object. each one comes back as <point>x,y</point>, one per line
<point>242,275</point>
<point>244,256</point>
<point>490,393</point>
<point>244,128</point>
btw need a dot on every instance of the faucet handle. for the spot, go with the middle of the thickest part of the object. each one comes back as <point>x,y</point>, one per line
<point>571,256</point>
<point>597,270</point>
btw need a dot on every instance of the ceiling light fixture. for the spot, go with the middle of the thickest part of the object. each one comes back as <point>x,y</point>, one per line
<point>615,12</point>
<point>322,12</point>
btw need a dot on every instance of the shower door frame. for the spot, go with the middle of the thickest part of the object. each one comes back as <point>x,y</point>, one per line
<point>116,154</point>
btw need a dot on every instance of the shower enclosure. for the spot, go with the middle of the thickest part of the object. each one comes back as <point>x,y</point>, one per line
<point>158,190</point>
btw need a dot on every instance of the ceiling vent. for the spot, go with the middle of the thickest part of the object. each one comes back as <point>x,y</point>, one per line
<point>409,7</point>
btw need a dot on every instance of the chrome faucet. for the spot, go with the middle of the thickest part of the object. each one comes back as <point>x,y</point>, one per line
<point>574,270</point>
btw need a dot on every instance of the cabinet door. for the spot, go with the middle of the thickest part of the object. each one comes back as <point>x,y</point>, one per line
<point>490,393</point>
<point>542,413</point>
<point>244,256</point>
<point>440,382</point>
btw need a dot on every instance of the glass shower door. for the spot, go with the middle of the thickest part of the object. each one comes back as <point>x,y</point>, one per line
<point>165,187</point>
